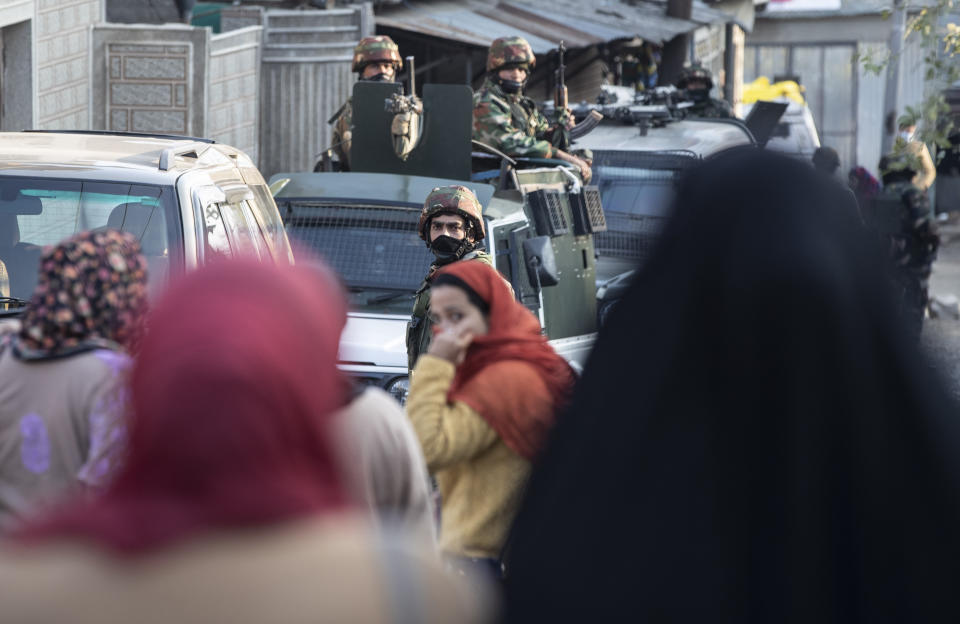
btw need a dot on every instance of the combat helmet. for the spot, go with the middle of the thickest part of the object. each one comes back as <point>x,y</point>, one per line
<point>457,200</point>
<point>379,49</point>
<point>694,72</point>
<point>512,51</point>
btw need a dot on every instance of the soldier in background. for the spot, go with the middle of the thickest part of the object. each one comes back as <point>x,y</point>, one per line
<point>907,142</point>
<point>451,224</point>
<point>376,59</point>
<point>697,82</point>
<point>913,247</point>
<point>507,120</point>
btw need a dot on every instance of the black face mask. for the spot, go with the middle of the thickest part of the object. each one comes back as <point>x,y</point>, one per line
<point>699,95</point>
<point>448,249</point>
<point>381,77</point>
<point>511,86</point>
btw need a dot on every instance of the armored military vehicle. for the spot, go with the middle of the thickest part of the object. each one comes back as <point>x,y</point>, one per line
<point>640,150</point>
<point>539,220</point>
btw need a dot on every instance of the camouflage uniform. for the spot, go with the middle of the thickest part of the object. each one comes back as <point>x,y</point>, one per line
<point>457,200</point>
<point>913,243</point>
<point>510,122</point>
<point>369,50</point>
<point>709,108</point>
<point>913,249</point>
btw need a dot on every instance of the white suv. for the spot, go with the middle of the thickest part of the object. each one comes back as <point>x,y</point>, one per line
<point>186,199</point>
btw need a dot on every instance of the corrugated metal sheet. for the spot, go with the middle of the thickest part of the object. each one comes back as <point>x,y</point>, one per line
<point>305,79</point>
<point>578,23</point>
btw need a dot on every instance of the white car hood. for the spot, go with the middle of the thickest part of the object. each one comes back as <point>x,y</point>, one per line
<point>374,339</point>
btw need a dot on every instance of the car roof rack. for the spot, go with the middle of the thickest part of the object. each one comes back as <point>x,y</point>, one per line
<point>140,135</point>
<point>169,155</point>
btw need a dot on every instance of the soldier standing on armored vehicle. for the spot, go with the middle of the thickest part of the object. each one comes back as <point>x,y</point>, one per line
<point>913,246</point>
<point>451,224</point>
<point>505,119</point>
<point>697,82</point>
<point>375,59</point>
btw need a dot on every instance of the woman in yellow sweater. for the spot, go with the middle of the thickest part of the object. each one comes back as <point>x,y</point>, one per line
<point>482,401</point>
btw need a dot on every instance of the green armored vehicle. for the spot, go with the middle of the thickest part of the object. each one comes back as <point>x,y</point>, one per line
<point>539,220</point>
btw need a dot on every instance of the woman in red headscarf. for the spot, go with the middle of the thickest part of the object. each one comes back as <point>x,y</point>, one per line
<point>482,401</point>
<point>229,507</point>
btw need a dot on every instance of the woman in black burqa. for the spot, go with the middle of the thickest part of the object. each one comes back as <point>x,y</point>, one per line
<point>754,438</point>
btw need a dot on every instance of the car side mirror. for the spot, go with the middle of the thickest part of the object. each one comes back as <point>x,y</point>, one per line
<point>540,261</point>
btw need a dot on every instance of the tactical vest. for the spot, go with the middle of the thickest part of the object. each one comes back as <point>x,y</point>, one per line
<point>419,329</point>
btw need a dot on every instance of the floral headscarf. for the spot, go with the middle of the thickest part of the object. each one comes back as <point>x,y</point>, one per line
<point>91,293</point>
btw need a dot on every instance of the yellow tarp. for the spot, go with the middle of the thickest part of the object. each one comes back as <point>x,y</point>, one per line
<point>761,90</point>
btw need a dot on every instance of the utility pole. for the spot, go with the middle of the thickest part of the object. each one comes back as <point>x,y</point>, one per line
<point>892,92</point>
<point>675,51</point>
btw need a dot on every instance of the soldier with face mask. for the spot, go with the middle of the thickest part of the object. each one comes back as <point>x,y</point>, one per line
<point>507,120</point>
<point>451,224</point>
<point>697,82</point>
<point>375,59</point>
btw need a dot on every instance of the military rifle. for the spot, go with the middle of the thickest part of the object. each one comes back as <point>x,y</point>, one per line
<point>561,103</point>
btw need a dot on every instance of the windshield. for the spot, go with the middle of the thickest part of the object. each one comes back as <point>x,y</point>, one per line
<point>35,212</point>
<point>636,202</point>
<point>375,249</point>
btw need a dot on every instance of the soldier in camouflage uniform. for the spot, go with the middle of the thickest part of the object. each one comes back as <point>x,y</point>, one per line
<point>375,59</point>
<point>914,246</point>
<point>697,82</point>
<point>507,120</point>
<point>451,224</point>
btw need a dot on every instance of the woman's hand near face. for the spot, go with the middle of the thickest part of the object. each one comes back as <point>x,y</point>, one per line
<point>450,347</point>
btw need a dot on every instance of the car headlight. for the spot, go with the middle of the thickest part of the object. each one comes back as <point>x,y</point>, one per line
<point>399,388</point>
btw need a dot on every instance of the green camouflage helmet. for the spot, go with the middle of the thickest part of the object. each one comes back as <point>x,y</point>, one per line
<point>458,200</point>
<point>694,72</point>
<point>510,51</point>
<point>379,49</point>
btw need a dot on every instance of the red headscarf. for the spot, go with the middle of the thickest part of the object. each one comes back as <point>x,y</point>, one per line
<point>514,336</point>
<point>230,391</point>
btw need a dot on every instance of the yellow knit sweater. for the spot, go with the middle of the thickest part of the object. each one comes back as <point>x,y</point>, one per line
<point>481,479</point>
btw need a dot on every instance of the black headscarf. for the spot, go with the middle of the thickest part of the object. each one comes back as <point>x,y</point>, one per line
<point>754,438</point>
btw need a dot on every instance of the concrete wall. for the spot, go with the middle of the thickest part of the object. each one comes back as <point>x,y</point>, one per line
<point>178,79</point>
<point>16,83</point>
<point>149,78</point>
<point>232,91</point>
<point>61,33</point>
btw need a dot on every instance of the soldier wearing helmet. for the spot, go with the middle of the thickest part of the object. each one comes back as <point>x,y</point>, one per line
<point>376,59</point>
<point>697,82</point>
<point>451,225</point>
<point>912,232</point>
<point>507,120</point>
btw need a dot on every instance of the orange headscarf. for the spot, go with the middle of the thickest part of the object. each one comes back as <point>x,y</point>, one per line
<point>521,420</point>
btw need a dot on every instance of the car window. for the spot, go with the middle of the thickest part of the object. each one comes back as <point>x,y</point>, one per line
<point>215,232</point>
<point>242,230</point>
<point>265,212</point>
<point>36,212</point>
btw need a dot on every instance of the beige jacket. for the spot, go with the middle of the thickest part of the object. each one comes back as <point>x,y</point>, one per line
<point>928,172</point>
<point>55,417</point>
<point>481,479</point>
<point>325,570</point>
